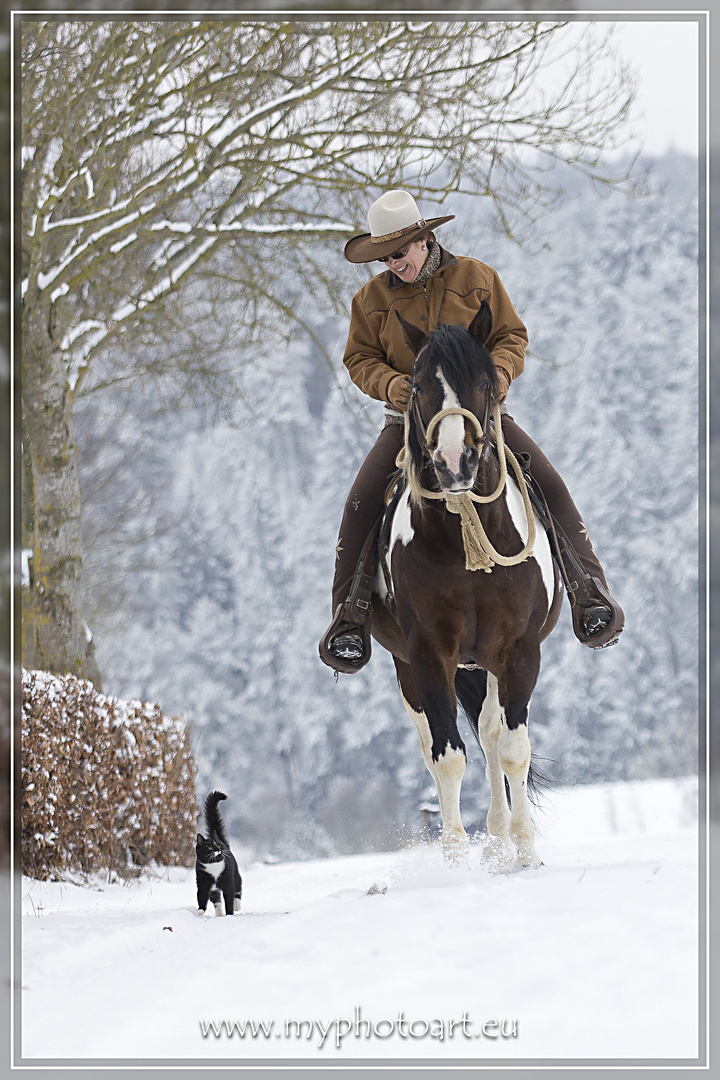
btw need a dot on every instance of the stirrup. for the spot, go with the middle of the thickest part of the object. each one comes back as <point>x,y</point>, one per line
<point>588,615</point>
<point>342,627</point>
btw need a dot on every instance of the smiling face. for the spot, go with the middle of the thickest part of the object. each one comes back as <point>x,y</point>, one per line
<point>408,261</point>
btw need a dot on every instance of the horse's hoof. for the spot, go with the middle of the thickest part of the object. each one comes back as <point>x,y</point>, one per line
<point>455,848</point>
<point>520,866</point>
<point>527,861</point>
<point>499,854</point>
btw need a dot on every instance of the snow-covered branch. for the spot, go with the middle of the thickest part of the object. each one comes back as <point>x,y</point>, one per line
<point>207,134</point>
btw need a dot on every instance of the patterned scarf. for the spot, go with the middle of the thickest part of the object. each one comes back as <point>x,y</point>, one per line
<point>431,263</point>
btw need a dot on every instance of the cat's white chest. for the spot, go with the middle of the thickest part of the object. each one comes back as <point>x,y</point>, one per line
<point>214,869</point>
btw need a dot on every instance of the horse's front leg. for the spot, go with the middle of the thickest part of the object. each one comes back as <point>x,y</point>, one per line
<point>434,679</point>
<point>414,709</point>
<point>515,686</point>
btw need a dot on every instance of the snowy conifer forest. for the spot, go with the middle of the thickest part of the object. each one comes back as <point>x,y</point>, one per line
<point>211,517</point>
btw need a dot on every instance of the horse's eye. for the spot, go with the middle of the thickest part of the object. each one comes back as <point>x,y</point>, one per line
<point>417,389</point>
<point>483,384</point>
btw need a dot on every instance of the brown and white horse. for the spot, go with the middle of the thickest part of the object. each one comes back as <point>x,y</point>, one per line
<point>460,634</point>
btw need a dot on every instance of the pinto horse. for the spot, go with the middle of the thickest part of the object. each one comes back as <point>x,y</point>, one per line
<point>457,633</point>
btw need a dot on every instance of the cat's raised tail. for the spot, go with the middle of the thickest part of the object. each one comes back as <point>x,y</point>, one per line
<point>213,820</point>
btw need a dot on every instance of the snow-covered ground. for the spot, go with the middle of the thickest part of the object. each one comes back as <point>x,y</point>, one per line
<point>593,955</point>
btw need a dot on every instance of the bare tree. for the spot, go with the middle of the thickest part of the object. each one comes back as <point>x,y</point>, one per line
<point>150,148</point>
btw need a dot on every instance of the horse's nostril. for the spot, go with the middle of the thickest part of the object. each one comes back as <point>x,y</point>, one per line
<point>470,458</point>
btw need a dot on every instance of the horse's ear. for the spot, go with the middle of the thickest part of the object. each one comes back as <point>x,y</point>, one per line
<point>481,326</point>
<point>414,336</point>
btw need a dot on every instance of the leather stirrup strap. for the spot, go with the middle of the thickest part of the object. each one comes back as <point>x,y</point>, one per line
<point>575,576</point>
<point>356,608</point>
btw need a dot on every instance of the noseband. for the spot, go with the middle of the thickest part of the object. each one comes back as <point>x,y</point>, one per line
<point>482,442</point>
<point>480,429</point>
<point>479,551</point>
<point>428,432</point>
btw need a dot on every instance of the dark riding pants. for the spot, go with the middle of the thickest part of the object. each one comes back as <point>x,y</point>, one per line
<point>365,502</point>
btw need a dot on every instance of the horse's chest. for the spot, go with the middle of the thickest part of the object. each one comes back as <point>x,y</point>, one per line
<point>430,552</point>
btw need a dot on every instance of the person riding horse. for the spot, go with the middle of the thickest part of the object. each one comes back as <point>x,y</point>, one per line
<point>429,286</point>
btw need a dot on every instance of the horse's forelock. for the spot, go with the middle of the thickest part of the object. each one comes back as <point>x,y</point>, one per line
<point>461,359</point>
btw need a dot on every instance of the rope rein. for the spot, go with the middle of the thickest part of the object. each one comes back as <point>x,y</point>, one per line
<point>480,554</point>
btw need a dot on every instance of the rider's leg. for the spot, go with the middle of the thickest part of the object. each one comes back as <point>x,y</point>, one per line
<point>597,619</point>
<point>362,510</point>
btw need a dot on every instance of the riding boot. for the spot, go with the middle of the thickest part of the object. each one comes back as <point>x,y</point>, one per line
<point>597,618</point>
<point>346,644</point>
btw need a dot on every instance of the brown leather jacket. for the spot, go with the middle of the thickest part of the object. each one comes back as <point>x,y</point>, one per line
<point>376,349</point>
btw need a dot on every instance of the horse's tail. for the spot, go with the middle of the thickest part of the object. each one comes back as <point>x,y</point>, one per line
<point>538,783</point>
<point>471,688</point>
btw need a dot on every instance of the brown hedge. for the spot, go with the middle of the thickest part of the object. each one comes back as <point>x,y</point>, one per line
<point>106,784</point>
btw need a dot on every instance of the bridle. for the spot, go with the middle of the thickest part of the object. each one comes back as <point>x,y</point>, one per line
<point>481,437</point>
<point>480,554</point>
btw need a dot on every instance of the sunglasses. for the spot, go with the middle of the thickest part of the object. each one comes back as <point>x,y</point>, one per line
<point>396,254</point>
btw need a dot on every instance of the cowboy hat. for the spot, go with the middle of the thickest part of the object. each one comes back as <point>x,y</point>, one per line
<point>395,222</point>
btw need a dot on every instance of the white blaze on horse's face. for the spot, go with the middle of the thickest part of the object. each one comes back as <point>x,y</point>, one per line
<point>451,449</point>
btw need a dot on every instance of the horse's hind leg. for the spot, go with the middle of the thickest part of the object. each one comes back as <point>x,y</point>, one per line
<point>489,724</point>
<point>513,745</point>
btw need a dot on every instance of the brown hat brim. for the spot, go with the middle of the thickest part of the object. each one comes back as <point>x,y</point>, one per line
<point>363,249</point>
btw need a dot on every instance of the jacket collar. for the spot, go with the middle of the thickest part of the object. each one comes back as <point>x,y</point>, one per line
<point>446,259</point>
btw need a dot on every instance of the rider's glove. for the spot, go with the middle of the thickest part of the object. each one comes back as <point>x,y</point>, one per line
<point>398,392</point>
<point>503,383</point>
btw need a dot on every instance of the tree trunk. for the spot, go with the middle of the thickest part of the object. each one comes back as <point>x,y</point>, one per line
<point>58,636</point>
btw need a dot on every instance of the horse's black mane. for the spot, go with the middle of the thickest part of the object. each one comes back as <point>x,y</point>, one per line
<point>463,359</point>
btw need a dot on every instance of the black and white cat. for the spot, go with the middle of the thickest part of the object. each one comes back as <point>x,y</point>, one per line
<point>216,870</point>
